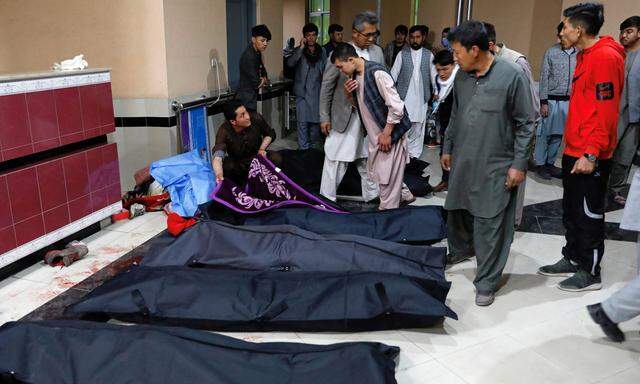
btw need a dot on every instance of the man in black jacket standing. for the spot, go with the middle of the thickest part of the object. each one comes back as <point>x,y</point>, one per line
<point>253,74</point>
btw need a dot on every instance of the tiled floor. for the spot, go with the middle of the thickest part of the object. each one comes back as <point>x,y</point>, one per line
<point>533,333</point>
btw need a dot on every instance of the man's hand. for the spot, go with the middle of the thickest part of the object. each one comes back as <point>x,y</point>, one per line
<point>325,128</point>
<point>303,42</point>
<point>263,82</point>
<point>350,86</point>
<point>219,178</point>
<point>514,178</point>
<point>445,162</point>
<point>583,166</point>
<point>384,142</point>
<point>544,110</point>
<point>262,152</point>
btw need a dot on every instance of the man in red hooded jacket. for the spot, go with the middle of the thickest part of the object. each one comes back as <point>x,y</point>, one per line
<point>591,134</point>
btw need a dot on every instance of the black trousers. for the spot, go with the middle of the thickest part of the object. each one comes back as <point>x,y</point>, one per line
<point>583,205</point>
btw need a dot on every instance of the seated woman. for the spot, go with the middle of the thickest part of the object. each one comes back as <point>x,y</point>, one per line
<point>241,137</point>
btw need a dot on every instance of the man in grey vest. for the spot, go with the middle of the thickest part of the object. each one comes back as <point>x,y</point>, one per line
<point>629,122</point>
<point>501,51</point>
<point>414,74</point>
<point>340,121</point>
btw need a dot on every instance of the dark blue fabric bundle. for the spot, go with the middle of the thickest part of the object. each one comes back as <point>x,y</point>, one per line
<point>57,352</point>
<point>234,300</point>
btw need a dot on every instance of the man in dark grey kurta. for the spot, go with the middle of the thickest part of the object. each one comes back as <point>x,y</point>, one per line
<point>309,61</point>
<point>487,146</point>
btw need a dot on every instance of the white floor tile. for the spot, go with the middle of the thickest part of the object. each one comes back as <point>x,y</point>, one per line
<point>628,376</point>
<point>430,372</point>
<point>19,297</point>
<point>577,343</point>
<point>504,360</point>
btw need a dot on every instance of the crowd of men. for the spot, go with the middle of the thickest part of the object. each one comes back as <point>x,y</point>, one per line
<point>372,104</point>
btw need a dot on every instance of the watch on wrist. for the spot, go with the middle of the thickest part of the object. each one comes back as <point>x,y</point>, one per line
<point>590,157</point>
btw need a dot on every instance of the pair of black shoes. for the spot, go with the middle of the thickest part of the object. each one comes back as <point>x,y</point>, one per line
<point>549,171</point>
<point>610,329</point>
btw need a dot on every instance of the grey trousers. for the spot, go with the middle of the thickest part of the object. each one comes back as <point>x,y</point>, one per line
<point>520,201</point>
<point>489,239</point>
<point>618,178</point>
<point>624,305</point>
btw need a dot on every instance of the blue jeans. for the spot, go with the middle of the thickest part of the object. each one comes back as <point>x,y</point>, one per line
<point>308,134</point>
<point>549,133</point>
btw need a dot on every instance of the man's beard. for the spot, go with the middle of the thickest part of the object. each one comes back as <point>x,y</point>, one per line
<point>416,46</point>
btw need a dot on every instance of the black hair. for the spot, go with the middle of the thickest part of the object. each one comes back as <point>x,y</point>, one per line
<point>589,16</point>
<point>402,29</point>
<point>633,21</point>
<point>446,30</point>
<point>491,32</point>
<point>470,33</point>
<point>229,109</point>
<point>333,28</point>
<point>308,28</point>
<point>560,28</point>
<point>261,31</point>
<point>444,57</point>
<point>343,52</point>
<point>424,29</point>
<point>415,28</point>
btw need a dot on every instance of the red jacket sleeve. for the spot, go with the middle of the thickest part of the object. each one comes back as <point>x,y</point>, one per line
<point>607,80</point>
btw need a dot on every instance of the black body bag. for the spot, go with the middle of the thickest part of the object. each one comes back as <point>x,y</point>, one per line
<point>234,300</point>
<point>56,352</point>
<point>412,224</point>
<point>213,244</point>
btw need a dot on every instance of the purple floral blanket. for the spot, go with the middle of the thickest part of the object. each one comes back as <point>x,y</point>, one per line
<point>267,188</point>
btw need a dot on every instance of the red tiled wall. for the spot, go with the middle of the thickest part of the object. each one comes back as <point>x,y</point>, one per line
<point>37,121</point>
<point>46,196</point>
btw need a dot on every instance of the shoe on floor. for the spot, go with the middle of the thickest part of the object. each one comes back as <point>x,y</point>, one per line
<point>564,267</point>
<point>443,186</point>
<point>581,281</point>
<point>484,299</point>
<point>609,328</point>
<point>543,172</point>
<point>455,259</point>
<point>554,171</point>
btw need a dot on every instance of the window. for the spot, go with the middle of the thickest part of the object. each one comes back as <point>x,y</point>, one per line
<point>319,15</point>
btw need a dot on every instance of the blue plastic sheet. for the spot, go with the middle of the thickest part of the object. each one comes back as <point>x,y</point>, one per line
<point>188,178</point>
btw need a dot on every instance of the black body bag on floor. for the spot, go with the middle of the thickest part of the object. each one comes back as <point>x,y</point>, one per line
<point>214,244</point>
<point>56,352</point>
<point>412,224</point>
<point>231,300</point>
<point>305,168</point>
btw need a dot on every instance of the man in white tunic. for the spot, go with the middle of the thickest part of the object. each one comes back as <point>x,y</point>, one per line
<point>414,74</point>
<point>383,115</point>
<point>340,121</point>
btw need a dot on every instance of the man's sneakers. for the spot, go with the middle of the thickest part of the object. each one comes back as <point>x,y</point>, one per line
<point>564,267</point>
<point>581,281</point>
<point>549,171</point>
<point>484,299</point>
<point>578,280</point>
<point>608,327</point>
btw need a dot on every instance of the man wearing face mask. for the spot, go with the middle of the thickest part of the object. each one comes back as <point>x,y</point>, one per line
<point>340,122</point>
<point>253,74</point>
<point>309,61</point>
<point>414,74</point>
